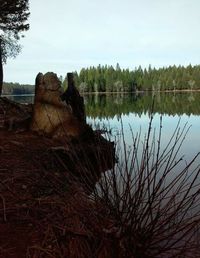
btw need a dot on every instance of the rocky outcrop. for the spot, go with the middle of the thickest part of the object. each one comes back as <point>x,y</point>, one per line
<point>51,115</point>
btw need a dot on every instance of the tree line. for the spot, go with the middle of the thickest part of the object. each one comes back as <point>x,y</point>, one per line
<point>10,88</point>
<point>109,79</point>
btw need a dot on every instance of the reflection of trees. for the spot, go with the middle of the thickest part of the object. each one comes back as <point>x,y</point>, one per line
<point>107,106</point>
<point>191,97</point>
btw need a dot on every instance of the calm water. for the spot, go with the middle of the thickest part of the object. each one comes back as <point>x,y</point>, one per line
<point>134,112</point>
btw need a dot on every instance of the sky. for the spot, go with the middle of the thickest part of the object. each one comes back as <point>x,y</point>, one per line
<point>66,36</point>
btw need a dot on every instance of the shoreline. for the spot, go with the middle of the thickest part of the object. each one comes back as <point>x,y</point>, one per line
<point>115,92</point>
<point>140,91</point>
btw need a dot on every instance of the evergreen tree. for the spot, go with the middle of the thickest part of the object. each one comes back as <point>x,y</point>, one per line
<point>13,21</point>
<point>110,79</point>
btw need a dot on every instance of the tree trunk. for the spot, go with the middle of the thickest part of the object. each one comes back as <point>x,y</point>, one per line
<point>1,68</point>
<point>73,98</point>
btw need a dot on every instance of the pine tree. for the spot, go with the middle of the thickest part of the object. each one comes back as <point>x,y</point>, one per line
<point>13,21</point>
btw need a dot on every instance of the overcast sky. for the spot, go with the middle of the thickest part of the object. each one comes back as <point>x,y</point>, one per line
<point>67,35</point>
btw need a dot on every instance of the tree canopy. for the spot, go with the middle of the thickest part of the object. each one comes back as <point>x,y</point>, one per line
<point>109,79</point>
<point>13,21</point>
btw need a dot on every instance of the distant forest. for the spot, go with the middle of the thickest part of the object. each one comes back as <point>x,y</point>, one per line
<point>10,88</point>
<point>109,79</point>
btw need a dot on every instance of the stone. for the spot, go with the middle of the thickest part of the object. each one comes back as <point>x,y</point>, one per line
<point>51,116</point>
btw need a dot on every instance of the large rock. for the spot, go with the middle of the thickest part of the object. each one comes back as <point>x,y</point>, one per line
<point>52,116</point>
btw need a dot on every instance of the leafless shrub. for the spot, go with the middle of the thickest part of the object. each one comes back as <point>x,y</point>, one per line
<point>153,197</point>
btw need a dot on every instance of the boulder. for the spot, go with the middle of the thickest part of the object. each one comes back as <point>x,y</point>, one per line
<point>51,115</point>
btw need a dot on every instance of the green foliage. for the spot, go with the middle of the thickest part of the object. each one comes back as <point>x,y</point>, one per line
<point>13,17</point>
<point>110,79</point>
<point>10,88</point>
<point>13,21</point>
<point>105,79</point>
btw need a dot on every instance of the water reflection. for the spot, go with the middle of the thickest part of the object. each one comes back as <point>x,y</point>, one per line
<point>108,106</point>
<point>24,99</point>
<point>134,112</point>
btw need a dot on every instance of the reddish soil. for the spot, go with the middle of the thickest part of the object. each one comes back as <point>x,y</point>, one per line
<point>19,156</point>
<point>41,214</point>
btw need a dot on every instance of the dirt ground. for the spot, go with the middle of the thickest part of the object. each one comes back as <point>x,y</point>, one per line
<point>20,176</point>
<point>45,186</point>
<point>42,212</point>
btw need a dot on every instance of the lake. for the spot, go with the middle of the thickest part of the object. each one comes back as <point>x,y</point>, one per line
<point>133,111</point>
